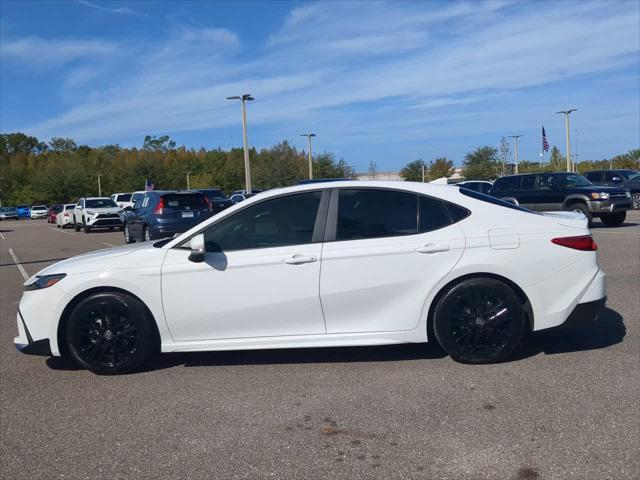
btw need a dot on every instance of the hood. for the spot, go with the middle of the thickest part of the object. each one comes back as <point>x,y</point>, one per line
<point>106,259</point>
<point>598,188</point>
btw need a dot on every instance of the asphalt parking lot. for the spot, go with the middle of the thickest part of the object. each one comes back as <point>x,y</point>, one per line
<point>566,407</point>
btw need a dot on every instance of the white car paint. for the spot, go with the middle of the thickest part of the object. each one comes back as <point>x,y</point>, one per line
<point>38,211</point>
<point>86,214</point>
<point>357,292</point>
<point>118,199</point>
<point>65,217</point>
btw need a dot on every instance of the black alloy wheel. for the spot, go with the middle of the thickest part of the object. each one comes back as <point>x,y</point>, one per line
<point>111,333</point>
<point>479,320</point>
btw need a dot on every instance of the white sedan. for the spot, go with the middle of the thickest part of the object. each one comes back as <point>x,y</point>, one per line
<point>38,211</point>
<point>322,265</point>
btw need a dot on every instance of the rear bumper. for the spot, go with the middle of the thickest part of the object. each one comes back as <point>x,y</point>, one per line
<point>584,314</point>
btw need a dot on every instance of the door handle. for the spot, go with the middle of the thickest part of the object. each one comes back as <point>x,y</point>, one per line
<point>300,259</point>
<point>433,248</point>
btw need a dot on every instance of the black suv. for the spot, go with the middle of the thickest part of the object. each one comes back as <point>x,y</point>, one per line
<point>629,179</point>
<point>565,191</point>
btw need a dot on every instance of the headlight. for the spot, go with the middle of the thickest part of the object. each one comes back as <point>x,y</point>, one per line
<point>44,281</point>
<point>600,196</point>
<point>90,212</point>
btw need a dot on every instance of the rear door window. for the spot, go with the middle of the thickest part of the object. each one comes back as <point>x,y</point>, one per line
<point>185,201</point>
<point>528,182</point>
<point>375,213</point>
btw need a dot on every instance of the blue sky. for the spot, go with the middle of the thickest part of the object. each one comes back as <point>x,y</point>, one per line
<point>376,81</point>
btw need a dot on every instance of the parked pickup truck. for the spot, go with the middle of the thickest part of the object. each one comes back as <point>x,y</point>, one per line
<point>565,191</point>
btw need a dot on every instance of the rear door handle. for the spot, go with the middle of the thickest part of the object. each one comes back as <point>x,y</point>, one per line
<point>300,259</point>
<point>433,248</point>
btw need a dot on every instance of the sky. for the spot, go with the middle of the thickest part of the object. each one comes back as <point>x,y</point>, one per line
<point>388,82</point>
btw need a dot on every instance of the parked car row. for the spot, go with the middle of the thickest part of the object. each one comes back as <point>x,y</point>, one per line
<point>608,197</point>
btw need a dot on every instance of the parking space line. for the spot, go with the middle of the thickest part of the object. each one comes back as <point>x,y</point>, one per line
<point>2,236</point>
<point>60,231</point>
<point>108,244</point>
<point>17,263</point>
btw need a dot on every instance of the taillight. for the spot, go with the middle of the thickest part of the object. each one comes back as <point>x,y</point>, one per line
<point>159,210</point>
<point>582,242</point>
<point>66,214</point>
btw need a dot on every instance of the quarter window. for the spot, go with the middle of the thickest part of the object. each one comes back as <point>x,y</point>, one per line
<point>371,213</point>
<point>433,214</point>
<point>281,221</point>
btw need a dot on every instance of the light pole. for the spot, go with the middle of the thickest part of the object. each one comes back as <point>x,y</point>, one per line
<point>188,172</point>
<point>309,135</point>
<point>515,137</point>
<point>566,117</point>
<point>99,186</point>
<point>247,169</point>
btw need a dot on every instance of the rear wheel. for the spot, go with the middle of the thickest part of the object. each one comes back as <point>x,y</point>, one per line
<point>480,320</point>
<point>582,208</point>
<point>111,333</point>
<point>76,227</point>
<point>614,219</point>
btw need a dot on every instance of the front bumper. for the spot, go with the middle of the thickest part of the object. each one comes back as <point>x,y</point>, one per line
<point>609,206</point>
<point>104,222</point>
<point>24,342</point>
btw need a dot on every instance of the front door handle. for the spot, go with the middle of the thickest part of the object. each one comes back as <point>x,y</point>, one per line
<point>299,259</point>
<point>433,248</point>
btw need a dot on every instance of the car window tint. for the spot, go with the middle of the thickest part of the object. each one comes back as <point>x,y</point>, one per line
<point>528,182</point>
<point>433,214</point>
<point>505,184</point>
<point>281,221</point>
<point>548,182</point>
<point>372,213</point>
<point>594,176</point>
<point>608,176</point>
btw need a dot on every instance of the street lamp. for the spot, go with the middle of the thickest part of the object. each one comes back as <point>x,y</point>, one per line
<point>516,137</point>
<point>566,117</point>
<point>309,135</point>
<point>247,171</point>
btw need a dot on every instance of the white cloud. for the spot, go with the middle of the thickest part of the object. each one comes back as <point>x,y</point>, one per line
<point>118,10</point>
<point>41,52</point>
<point>365,72</point>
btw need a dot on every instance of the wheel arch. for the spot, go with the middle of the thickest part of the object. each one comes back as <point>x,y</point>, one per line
<point>522,296</point>
<point>64,317</point>
<point>572,199</point>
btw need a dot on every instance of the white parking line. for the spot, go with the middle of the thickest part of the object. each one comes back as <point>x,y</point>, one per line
<point>108,244</point>
<point>2,236</point>
<point>60,230</point>
<point>17,262</point>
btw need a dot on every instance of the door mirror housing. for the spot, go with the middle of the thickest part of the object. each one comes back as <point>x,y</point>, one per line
<point>196,244</point>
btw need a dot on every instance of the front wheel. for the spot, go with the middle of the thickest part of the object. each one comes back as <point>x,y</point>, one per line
<point>127,235</point>
<point>636,200</point>
<point>111,333</point>
<point>480,320</point>
<point>76,227</point>
<point>614,219</point>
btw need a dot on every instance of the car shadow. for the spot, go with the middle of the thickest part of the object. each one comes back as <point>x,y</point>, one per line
<point>607,330</point>
<point>601,225</point>
<point>5,231</point>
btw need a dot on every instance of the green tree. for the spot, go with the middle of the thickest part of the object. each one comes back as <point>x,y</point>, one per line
<point>557,161</point>
<point>440,167</point>
<point>158,144</point>
<point>412,171</point>
<point>13,143</point>
<point>481,164</point>
<point>62,145</point>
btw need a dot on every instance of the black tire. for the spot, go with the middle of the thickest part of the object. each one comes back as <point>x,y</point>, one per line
<point>636,200</point>
<point>111,333</point>
<point>582,208</point>
<point>479,320</point>
<point>76,227</point>
<point>128,238</point>
<point>86,228</point>
<point>614,219</point>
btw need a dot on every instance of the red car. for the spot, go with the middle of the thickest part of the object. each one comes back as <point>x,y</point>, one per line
<point>52,212</point>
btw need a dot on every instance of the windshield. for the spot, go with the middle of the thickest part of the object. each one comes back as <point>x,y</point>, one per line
<point>100,203</point>
<point>493,200</point>
<point>635,178</point>
<point>70,206</point>
<point>38,207</point>
<point>123,197</point>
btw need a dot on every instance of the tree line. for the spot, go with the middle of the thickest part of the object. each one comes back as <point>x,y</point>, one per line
<point>32,171</point>
<point>60,171</point>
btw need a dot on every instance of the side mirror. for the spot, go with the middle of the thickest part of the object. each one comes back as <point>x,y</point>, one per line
<point>197,249</point>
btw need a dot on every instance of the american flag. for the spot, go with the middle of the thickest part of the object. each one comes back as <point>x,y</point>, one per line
<point>545,144</point>
<point>148,185</point>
